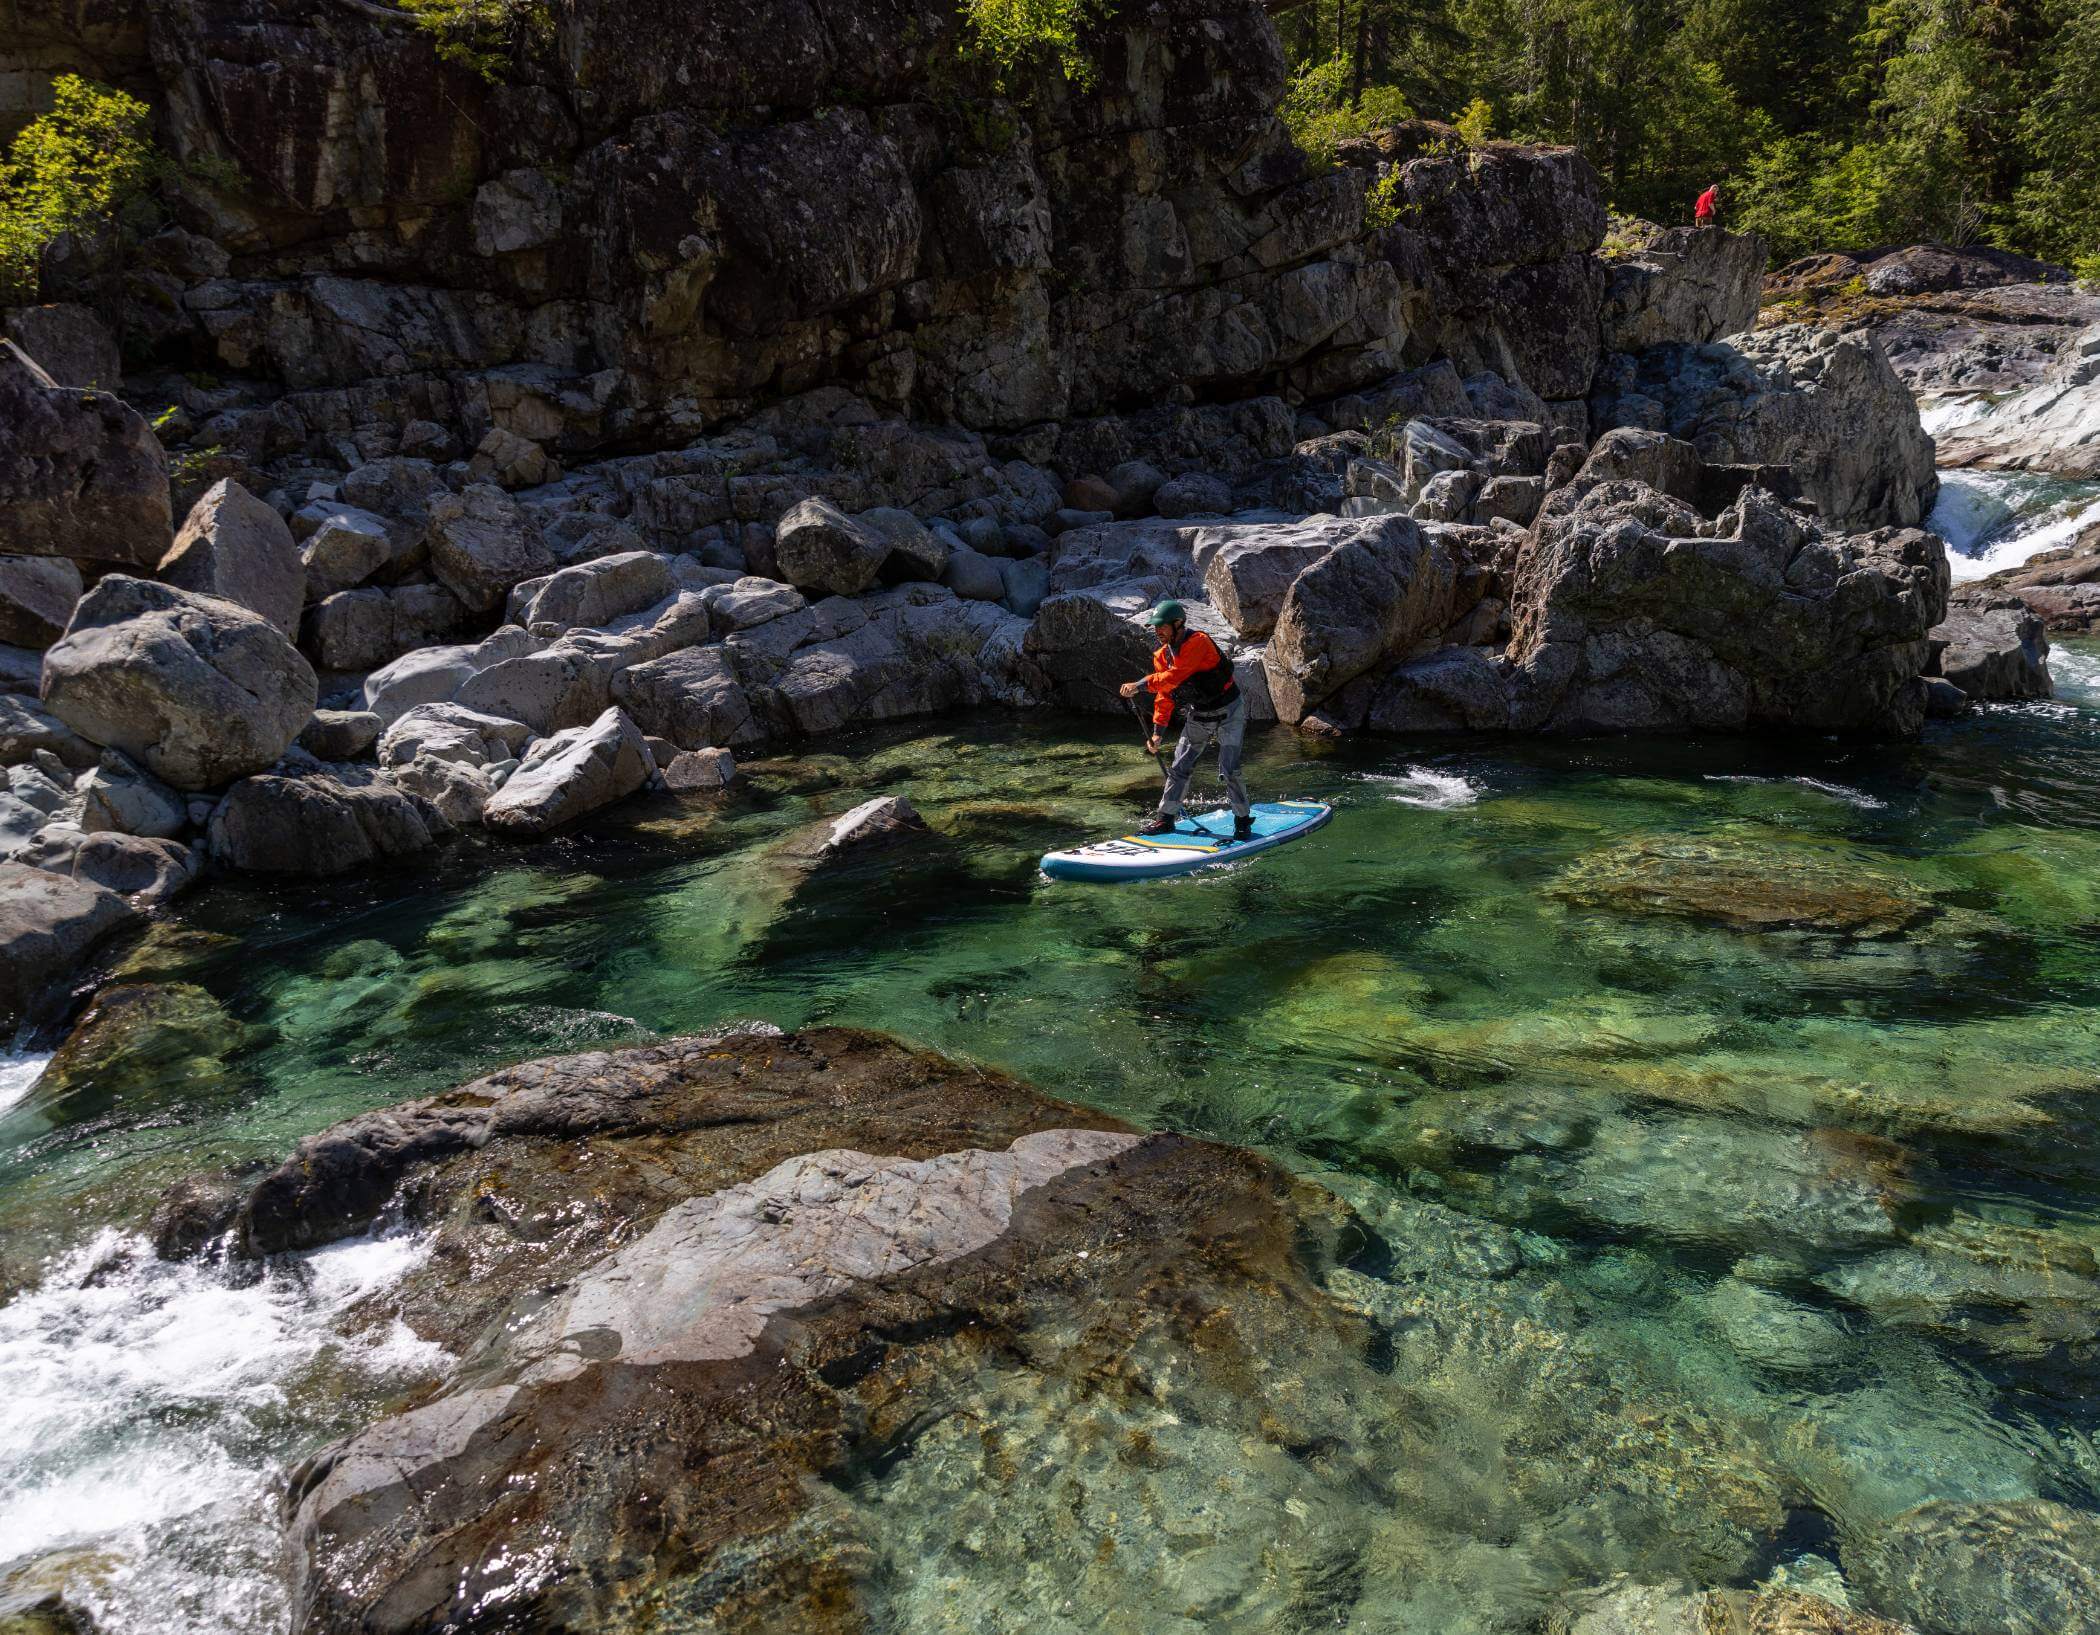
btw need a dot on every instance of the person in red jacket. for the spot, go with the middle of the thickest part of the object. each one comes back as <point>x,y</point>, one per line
<point>1189,670</point>
<point>1707,212</point>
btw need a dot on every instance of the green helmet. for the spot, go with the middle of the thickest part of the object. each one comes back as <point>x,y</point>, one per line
<point>1168,612</point>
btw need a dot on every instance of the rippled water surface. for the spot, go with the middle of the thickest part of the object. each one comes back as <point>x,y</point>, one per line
<point>1727,1109</point>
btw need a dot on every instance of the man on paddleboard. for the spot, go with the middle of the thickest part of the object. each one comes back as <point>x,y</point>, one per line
<point>1189,670</point>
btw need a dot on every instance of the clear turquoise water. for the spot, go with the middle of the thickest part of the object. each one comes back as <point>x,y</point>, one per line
<point>1803,1217</point>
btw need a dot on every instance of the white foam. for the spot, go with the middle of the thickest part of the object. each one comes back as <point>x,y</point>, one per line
<point>19,1071</point>
<point>1837,791</point>
<point>2076,672</point>
<point>1434,791</point>
<point>1993,520</point>
<point>147,1418</point>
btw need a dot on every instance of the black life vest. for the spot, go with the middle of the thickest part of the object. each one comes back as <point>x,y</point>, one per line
<point>1209,691</point>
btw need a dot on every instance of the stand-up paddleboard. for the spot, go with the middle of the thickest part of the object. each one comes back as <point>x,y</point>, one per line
<point>1196,842</point>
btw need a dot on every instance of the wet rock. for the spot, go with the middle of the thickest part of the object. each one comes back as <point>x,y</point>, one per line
<point>320,820</point>
<point>821,549</point>
<point>567,774</point>
<point>235,548</point>
<point>49,923</point>
<point>339,735</point>
<point>191,1215</point>
<point>1992,647</point>
<point>1748,885</point>
<point>136,1039</point>
<point>2023,1567</point>
<point>702,771</point>
<point>885,820</point>
<point>81,474</point>
<point>1672,1609</point>
<point>2062,587</point>
<point>1383,589</point>
<point>37,597</point>
<point>1453,689</point>
<point>854,1190</point>
<point>197,690</point>
<point>481,543</point>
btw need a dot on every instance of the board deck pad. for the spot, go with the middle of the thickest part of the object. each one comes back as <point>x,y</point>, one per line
<point>1199,840</point>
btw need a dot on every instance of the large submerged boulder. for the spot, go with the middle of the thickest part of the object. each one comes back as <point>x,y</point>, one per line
<point>198,690</point>
<point>788,1249</point>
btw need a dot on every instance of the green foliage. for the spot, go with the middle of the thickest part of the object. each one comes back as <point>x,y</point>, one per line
<point>1017,35</point>
<point>485,37</point>
<point>72,170</point>
<point>1322,114</point>
<point>1382,203</point>
<point>1475,123</point>
<point>1832,124</point>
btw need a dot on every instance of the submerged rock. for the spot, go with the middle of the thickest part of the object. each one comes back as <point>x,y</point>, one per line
<point>143,1039</point>
<point>1748,885</point>
<point>814,1232</point>
<point>2023,1567</point>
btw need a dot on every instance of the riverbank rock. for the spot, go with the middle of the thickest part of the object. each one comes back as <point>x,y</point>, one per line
<point>197,690</point>
<point>37,598</point>
<point>2052,426</point>
<point>81,474</point>
<point>819,1237</point>
<point>69,343</point>
<point>1992,647</point>
<point>320,820</point>
<point>1384,589</point>
<point>822,550</point>
<point>48,924</point>
<point>567,774</point>
<point>481,543</point>
<point>2061,587</point>
<point>453,757</point>
<point>1630,614</point>
<point>234,547</point>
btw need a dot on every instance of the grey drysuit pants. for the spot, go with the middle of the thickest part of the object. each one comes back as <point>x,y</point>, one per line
<point>1230,733</point>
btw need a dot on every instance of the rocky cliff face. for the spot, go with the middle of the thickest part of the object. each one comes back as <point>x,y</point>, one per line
<point>656,228</point>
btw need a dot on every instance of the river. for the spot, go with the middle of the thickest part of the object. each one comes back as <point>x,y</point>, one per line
<point>1516,984</point>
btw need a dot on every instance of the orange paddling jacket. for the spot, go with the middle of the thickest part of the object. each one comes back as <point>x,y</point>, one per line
<point>1196,671</point>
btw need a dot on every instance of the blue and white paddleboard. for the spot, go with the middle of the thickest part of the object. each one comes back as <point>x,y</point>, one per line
<point>1196,842</point>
